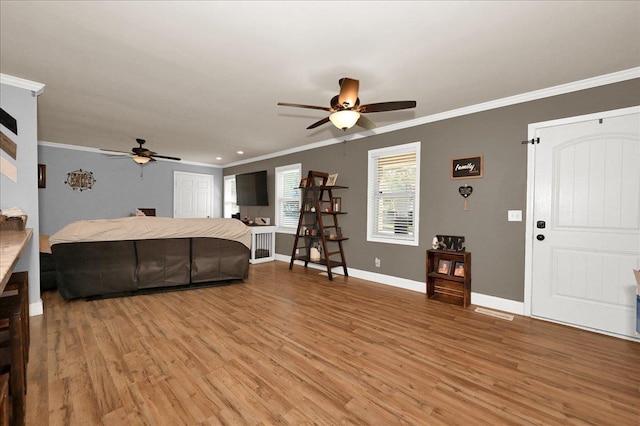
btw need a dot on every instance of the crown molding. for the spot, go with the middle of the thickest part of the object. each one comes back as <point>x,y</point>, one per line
<point>561,89</point>
<point>99,151</point>
<point>21,83</point>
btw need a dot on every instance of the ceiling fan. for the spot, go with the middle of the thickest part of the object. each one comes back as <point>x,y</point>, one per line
<point>346,110</point>
<point>142,155</point>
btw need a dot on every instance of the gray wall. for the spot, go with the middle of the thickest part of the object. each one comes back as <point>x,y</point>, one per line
<point>118,190</point>
<point>22,105</point>
<point>497,246</point>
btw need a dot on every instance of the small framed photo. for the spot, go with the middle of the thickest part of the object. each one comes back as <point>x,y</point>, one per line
<point>331,180</point>
<point>444,266</point>
<point>336,204</point>
<point>303,182</point>
<point>458,269</point>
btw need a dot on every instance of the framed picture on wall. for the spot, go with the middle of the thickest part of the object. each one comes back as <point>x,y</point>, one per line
<point>331,180</point>
<point>42,176</point>
<point>467,168</point>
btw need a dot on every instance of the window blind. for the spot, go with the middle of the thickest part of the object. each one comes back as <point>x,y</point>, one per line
<point>288,196</point>
<point>393,197</point>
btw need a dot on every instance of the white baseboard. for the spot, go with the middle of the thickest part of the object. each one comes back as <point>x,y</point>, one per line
<point>497,303</point>
<point>36,308</point>
<point>478,299</point>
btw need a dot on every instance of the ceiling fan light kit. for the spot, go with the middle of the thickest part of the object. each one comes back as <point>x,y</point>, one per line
<point>345,110</point>
<point>141,160</point>
<point>344,119</point>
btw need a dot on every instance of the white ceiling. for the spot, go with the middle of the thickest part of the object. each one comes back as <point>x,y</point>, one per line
<point>201,80</point>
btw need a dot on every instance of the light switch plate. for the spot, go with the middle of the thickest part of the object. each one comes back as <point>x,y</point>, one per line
<point>514,215</point>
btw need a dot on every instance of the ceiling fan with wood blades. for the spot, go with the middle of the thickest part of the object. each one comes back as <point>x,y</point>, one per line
<point>142,155</point>
<point>346,110</point>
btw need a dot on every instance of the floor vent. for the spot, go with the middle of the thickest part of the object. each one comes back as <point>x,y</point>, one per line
<point>500,315</point>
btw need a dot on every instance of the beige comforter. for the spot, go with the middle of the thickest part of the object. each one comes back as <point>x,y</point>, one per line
<point>147,228</point>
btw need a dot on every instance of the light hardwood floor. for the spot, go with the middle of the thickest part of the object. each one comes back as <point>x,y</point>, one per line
<point>294,348</point>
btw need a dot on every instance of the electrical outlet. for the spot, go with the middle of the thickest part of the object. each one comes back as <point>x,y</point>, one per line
<point>377,262</point>
<point>514,215</point>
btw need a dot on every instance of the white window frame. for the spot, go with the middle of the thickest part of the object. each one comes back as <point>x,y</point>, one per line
<point>403,239</point>
<point>279,182</point>
<point>229,206</point>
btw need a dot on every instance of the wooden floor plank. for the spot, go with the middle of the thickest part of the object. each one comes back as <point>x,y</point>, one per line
<point>291,347</point>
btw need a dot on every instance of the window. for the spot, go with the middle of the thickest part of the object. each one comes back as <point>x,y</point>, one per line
<point>287,198</point>
<point>230,206</point>
<point>393,194</point>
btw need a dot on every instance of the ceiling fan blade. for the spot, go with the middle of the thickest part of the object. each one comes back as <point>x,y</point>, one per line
<point>164,156</point>
<point>387,106</point>
<point>318,123</point>
<point>348,92</point>
<point>113,150</point>
<point>364,122</point>
<point>304,106</point>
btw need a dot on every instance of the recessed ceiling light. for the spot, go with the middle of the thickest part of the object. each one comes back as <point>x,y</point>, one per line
<point>240,152</point>
<point>218,158</point>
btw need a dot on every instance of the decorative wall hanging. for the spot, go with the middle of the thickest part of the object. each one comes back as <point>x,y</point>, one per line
<point>8,121</point>
<point>8,146</point>
<point>80,180</point>
<point>465,191</point>
<point>467,168</point>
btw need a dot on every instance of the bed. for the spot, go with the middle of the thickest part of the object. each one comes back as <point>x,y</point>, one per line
<point>117,257</point>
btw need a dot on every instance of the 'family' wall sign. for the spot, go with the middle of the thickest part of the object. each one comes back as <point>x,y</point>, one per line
<point>467,168</point>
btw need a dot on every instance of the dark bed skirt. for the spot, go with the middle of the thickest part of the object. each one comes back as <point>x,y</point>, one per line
<point>110,268</point>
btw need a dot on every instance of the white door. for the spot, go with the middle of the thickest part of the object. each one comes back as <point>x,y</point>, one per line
<point>587,193</point>
<point>193,195</point>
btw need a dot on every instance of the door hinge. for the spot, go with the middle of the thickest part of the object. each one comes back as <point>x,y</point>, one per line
<point>532,141</point>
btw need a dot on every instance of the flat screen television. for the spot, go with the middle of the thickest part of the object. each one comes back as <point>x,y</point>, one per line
<point>251,189</point>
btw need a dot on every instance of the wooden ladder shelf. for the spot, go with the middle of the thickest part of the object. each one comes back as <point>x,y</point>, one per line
<point>318,206</point>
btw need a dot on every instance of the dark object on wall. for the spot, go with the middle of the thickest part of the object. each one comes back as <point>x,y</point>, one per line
<point>8,121</point>
<point>148,212</point>
<point>42,176</point>
<point>121,268</point>
<point>465,191</point>
<point>467,168</point>
<point>251,189</point>
<point>451,243</point>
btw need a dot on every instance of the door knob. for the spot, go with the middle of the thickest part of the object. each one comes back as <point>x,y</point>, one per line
<point>540,237</point>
